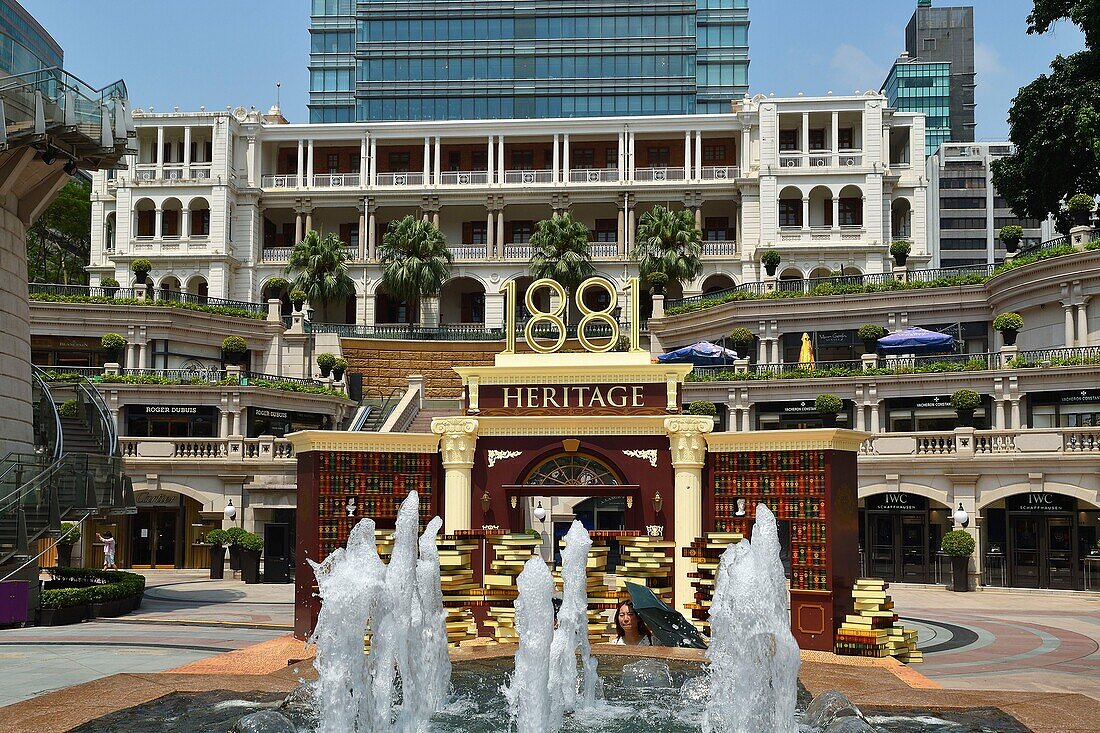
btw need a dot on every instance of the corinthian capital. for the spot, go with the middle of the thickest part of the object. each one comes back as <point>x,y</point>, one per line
<point>685,435</point>
<point>458,437</point>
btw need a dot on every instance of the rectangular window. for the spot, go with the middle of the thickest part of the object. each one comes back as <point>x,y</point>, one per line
<point>607,230</point>
<point>658,156</point>
<point>399,162</point>
<point>790,212</point>
<point>846,138</point>
<point>817,139</point>
<point>714,154</point>
<point>479,233</point>
<point>963,202</point>
<point>716,228</point>
<point>521,231</point>
<point>333,162</point>
<point>523,160</point>
<point>479,160</point>
<point>851,212</point>
<point>583,158</point>
<point>788,140</point>
<point>473,308</point>
<point>612,158</point>
<point>454,160</point>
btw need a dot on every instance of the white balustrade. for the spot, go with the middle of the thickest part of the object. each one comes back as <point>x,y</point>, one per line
<point>720,172</point>
<point>594,175</point>
<point>469,252</point>
<point>464,178</point>
<point>224,449</point>
<point>529,177</point>
<point>659,174</point>
<point>719,248</point>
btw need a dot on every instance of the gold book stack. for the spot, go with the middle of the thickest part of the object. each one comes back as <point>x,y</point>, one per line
<point>705,554</point>
<point>873,630</point>
<point>646,561</point>
<point>510,553</point>
<point>600,595</point>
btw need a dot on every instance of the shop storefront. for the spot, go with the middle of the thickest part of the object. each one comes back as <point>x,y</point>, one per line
<point>168,531</point>
<point>797,415</point>
<point>842,345</point>
<point>58,352</point>
<point>930,413</point>
<point>1069,409</point>
<point>265,421</point>
<point>171,421</point>
<point>1038,539</point>
<point>900,535</point>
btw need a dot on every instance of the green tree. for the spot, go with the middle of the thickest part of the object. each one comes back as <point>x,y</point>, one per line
<point>59,242</point>
<point>560,251</point>
<point>668,242</point>
<point>1055,121</point>
<point>320,268</point>
<point>415,259</point>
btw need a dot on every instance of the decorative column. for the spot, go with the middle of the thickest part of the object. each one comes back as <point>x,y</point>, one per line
<point>834,141</point>
<point>427,160</point>
<point>746,151</point>
<point>187,151</point>
<point>158,224</point>
<point>309,220</point>
<point>1083,323</point>
<point>630,226</point>
<point>687,438</point>
<point>249,159</point>
<point>490,238</point>
<point>500,232</point>
<point>458,438</point>
<point>160,153</point>
<point>373,161</point>
<point>556,161</point>
<point>364,164</point>
<point>362,206</point>
<point>836,213</point>
<point>436,180</point>
<point>301,168</point>
<point>1066,307</point>
<point>565,159</point>
<point>185,223</point>
<point>500,159</point>
<point>687,154</point>
<point>698,157</point>
<point>805,133</point>
<point>372,230</point>
<point>491,162</point>
<point>630,156</point>
<point>309,164</point>
<point>620,235</point>
<point>298,226</point>
<point>806,212</point>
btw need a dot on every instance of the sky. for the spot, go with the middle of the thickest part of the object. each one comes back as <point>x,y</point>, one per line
<point>219,53</point>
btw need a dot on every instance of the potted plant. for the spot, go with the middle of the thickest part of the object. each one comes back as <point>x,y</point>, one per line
<point>1080,207</point>
<point>900,250</point>
<point>234,349</point>
<point>622,343</point>
<point>141,268</point>
<point>217,539</point>
<point>325,362</point>
<point>965,402</point>
<point>869,334</point>
<point>703,408</point>
<point>113,344</point>
<point>1009,324</point>
<point>109,285</point>
<point>742,340</point>
<point>298,298</point>
<point>68,408</point>
<point>234,535</point>
<point>1011,236</point>
<point>70,535</point>
<point>339,366</point>
<point>276,286</point>
<point>959,546</point>
<point>770,258</point>
<point>828,406</point>
<point>657,282</point>
<point>251,545</point>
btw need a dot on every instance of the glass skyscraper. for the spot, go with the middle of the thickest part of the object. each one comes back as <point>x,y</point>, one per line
<point>913,86</point>
<point>475,59</point>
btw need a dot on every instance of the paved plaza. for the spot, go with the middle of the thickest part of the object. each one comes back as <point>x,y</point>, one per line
<point>987,640</point>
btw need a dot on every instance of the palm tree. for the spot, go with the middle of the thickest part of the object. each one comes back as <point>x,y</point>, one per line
<point>560,251</point>
<point>415,263</point>
<point>668,242</point>
<point>321,265</point>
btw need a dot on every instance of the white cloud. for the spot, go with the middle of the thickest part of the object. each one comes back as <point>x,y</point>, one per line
<point>853,69</point>
<point>987,61</point>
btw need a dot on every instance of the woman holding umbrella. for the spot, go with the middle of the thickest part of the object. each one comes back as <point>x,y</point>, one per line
<point>632,629</point>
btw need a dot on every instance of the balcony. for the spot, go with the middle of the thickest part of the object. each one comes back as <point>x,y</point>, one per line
<point>846,233</point>
<point>400,179</point>
<point>963,442</point>
<point>594,175</point>
<point>464,178</point>
<point>603,250</point>
<point>719,248</point>
<point>336,180</point>
<point>821,159</point>
<point>529,177</point>
<point>518,251</point>
<point>170,173</point>
<point>659,175</point>
<point>282,254</point>
<point>720,172</point>
<point>470,252</point>
<point>228,450</point>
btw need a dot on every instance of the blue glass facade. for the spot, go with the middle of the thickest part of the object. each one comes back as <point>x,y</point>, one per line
<point>475,59</point>
<point>924,88</point>
<point>24,44</point>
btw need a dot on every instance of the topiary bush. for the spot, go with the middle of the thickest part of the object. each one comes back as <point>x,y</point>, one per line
<point>702,407</point>
<point>250,541</point>
<point>141,267</point>
<point>234,345</point>
<point>770,257</point>
<point>277,283</point>
<point>112,341</point>
<point>340,363</point>
<point>828,404</point>
<point>298,295</point>
<point>68,408</point>
<point>742,336</point>
<point>957,543</point>
<point>1011,234</point>
<point>108,282</point>
<point>900,248</point>
<point>70,534</point>
<point>234,535</point>
<point>871,332</point>
<point>217,537</point>
<point>1008,322</point>
<point>966,399</point>
<point>326,360</point>
<point>1080,202</point>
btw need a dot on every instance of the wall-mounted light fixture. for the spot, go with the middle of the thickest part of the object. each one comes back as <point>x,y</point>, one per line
<point>485,500</point>
<point>658,502</point>
<point>961,517</point>
<point>540,513</point>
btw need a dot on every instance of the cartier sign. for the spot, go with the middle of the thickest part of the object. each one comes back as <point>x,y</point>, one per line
<point>569,399</point>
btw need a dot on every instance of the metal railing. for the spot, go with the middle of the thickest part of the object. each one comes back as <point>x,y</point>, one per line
<point>336,180</point>
<point>469,252</point>
<point>179,297</point>
<point>528,177</point>
<point>659,174</point>
<point>1074,356</point>
<point>413,331</point>
<point>248,376</point>
<point>196,376</point>
<point>153,296</point>
<point>982,361</point>
<point>116,293</point>
<point>593,175</point>
<point>464,178</point>
<point>720,172</point>
<point>399,179</point>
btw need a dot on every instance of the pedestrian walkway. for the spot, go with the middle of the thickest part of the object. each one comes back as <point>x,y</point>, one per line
<point>184,617</point>
<point>1006,640</point>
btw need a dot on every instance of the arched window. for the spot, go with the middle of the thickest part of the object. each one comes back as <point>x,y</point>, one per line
<point>572,469</point>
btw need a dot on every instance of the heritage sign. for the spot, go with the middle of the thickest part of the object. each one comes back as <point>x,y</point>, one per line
<point>573,399</point>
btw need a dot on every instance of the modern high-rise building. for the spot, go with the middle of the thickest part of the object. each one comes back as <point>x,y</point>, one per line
<point>965,212</point>
<point>939,42</point>
<point>373,60</point>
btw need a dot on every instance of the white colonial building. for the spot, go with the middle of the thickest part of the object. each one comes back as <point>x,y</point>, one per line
<point>215,200</point>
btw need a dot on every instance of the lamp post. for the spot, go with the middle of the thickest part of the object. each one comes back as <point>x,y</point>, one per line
<point>961,517</point>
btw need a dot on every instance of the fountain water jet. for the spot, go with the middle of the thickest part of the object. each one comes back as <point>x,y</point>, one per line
<point>402,603</point>
<point>528,694</point>
<point>572,631</point>
<point>753,656</point>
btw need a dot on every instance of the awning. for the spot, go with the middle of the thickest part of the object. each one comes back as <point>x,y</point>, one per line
<point>703,353</point>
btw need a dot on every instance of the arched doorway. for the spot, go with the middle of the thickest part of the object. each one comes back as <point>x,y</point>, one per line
<point>572,486</point>
<point>899,535</point>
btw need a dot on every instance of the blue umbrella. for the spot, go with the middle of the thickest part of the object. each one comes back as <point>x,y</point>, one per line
<point>703,353</point>
<point>916,341</point>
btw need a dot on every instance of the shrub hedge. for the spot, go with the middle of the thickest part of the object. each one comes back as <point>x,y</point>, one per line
<point>220,310</point>
<point>82,586</point>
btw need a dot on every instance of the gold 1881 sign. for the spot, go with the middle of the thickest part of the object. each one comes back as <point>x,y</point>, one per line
<point>555,318</point>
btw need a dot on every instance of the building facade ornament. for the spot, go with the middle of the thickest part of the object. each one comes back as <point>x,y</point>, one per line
<point>458,437</point>
<point>502,455</point>
<point>686,436</point>
<point>645,455</point>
